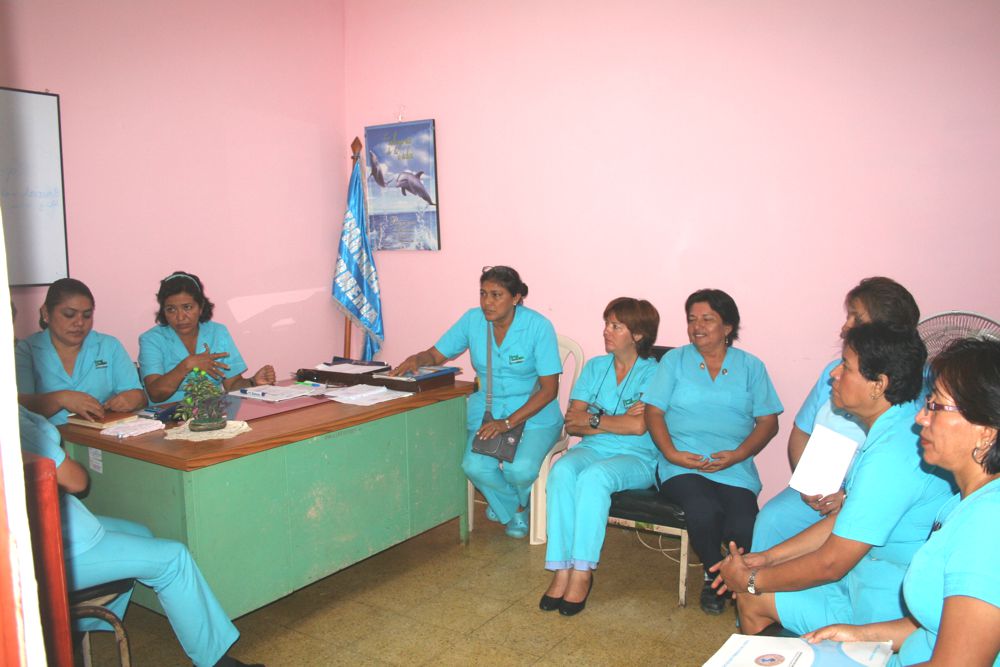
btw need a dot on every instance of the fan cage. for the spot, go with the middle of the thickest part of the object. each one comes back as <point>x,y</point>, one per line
<point>938,330</point>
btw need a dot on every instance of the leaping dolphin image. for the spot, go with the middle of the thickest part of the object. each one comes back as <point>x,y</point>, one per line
<point>378,170</point>
<point>410,182</point>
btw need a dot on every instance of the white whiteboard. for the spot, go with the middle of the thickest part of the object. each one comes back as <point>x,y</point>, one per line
<point>31,187</point>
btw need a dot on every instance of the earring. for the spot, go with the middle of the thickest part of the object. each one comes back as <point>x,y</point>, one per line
<point>975,455</point>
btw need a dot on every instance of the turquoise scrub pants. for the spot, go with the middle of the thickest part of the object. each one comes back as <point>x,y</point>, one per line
<point>509,488</point>
<point>578,497</point>
<point>783,516</point>
<point>128,550</point>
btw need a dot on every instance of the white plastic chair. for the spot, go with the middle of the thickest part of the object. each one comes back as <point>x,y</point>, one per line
<point>536,532</point>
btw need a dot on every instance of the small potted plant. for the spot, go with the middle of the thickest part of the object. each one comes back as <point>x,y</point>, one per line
<point>204,403</point>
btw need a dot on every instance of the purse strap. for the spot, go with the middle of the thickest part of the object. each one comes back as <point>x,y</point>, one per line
<point>489,368</point>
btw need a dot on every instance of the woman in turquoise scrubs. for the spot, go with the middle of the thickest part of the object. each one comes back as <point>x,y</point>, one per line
<point>952,587</point>
<point>100,549</point>
<point>615,453</point>
<point>849,568</point>
<point>710,409</point>
<point>874,299</point>
<point>526,368</point>
<point>185,338</point>
<point>68,367</point>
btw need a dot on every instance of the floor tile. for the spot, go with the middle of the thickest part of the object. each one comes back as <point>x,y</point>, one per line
<point>434,601</point>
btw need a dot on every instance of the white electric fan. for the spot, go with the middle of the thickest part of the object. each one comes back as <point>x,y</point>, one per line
<point>938,330</point>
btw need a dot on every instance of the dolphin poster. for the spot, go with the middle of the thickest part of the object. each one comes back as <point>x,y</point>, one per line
<point>401,179</point>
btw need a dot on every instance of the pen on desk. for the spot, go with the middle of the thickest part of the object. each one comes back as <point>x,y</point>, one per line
<point>311,384</point>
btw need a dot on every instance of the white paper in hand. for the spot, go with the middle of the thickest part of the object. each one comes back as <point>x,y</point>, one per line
<point>824,462</point>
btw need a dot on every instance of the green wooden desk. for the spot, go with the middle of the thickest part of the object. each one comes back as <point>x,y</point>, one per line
<point>304,494</point>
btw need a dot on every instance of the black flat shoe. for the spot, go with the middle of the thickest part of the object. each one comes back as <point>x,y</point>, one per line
<point>711,603</point>
<point>573,608</point>
<point>549,603</point>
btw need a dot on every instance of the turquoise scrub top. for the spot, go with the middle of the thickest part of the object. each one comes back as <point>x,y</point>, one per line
<point>892,500</point>
<point>598,387</point>
<point>81,529</point>
<point>161,349</point>
<point>956,560</point>
<point>103,368</point>
<point>530,350</point>
<point>706,416</point>
<point>818,408</point>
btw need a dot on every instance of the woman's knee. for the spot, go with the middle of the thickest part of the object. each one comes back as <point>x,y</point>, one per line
<point>521,473</point>
<point>597,478</point>
<point>561,476</point>
<point>476,466</point>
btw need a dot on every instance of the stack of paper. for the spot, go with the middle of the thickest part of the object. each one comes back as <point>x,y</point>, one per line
<point>127,429</point>
<point>364,394</point>
<point>751,651</point>
<point>824,462</point>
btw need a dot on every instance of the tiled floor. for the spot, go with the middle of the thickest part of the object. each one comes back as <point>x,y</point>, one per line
<point>433,601</point>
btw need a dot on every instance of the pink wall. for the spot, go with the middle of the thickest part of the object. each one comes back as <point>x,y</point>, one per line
<point>776,150</point>
<point>780,151</point>
<point>198,136</point>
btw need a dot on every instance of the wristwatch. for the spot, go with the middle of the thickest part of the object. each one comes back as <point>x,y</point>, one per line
<point>752,583</point>
<point>595,420</point>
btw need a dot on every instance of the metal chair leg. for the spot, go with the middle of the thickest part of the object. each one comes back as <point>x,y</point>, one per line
<point>85,650</point>
<point>682,597</point>
<point>121,638</point>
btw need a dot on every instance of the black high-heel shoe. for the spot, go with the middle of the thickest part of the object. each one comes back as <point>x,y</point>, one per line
<point>549,603</point>
<point>567,608</point>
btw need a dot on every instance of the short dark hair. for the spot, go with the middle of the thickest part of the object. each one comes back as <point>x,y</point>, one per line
<point>188,283</point>
<point>640,317</point>
<point>893,351</point>
<point>969,369</point>
<point>721,303</point>
<point>506,277</point>
<point>886,301</point>
<point>61,290</point>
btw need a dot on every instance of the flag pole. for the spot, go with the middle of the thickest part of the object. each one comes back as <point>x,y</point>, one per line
<point>355,156</point>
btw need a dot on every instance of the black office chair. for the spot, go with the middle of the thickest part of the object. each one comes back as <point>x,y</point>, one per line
<point>645,509</point>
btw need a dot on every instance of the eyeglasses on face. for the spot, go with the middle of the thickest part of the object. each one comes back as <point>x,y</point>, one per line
<point>931,406</point>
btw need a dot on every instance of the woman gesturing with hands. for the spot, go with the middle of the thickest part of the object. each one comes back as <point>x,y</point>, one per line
<point>185,339</point>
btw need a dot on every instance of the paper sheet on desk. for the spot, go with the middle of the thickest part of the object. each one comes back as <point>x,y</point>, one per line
<point>364,394</point>
<point>277,393</point>
<point>747,651</point>
<point>824,462</point>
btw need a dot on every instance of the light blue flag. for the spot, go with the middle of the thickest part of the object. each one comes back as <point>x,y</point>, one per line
<point>355,284</point>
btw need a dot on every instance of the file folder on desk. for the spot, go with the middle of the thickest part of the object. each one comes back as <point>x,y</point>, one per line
<point>342,371</point>
<point>425,378</point>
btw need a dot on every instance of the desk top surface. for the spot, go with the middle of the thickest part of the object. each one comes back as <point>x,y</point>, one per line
<point>268,432</point>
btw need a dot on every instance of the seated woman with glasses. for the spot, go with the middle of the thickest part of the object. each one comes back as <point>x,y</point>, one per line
<point>526,368</point>
<point>615,453</point>
<point>710,409</point>
<point>848,568</point>
<point>185,338</point>
<point>68,367</point>
<point>952,589</point>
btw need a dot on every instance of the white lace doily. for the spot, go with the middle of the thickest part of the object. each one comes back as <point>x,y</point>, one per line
<point>184,432</point>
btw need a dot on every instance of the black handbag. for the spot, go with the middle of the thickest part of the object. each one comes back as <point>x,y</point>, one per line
<point>502,446</point>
